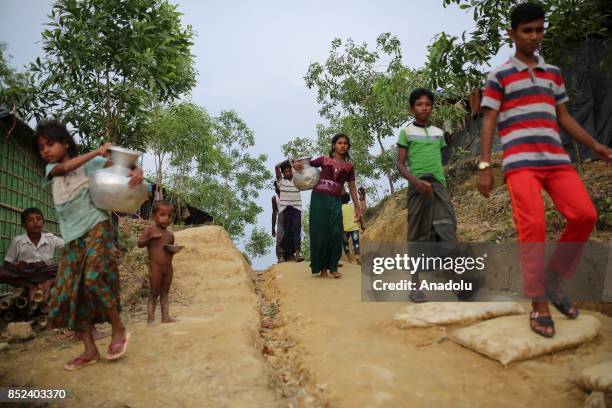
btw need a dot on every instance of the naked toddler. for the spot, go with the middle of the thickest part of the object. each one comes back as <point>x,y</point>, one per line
<point>155,238</point>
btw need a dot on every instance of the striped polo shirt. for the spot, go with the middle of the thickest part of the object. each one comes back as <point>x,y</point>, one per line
<point>289,195</point>
<point>526,99</point>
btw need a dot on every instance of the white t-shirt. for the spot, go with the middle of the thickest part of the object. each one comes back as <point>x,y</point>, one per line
<point>22,249</point>
<point>289,195</point>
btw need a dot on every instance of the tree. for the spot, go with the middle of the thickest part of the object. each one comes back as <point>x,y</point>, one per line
<point>300,147</point>
<point>110,61</point>
<point>230,179</point>
<point>178,135</point>
<point>15,88</point>
<point>259,243</point>
<point>457,64</point>
<point>366,89</point>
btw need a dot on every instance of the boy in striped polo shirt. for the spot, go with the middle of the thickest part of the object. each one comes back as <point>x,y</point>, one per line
<point>525,99</point>
<point>290,208</point>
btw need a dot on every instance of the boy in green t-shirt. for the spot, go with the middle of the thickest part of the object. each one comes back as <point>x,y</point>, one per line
<point>431,216</point>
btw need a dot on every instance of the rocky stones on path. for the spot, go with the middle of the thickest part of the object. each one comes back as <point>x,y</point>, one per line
<point>19,331</point>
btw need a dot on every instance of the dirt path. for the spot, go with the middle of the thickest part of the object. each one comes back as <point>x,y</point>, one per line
<point>349,353</point>
<point>210,358</point>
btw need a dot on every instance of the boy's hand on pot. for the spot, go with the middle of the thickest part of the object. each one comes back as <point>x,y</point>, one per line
<point>136,177</point>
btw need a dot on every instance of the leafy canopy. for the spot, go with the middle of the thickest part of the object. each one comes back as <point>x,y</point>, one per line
<point>108,62</point>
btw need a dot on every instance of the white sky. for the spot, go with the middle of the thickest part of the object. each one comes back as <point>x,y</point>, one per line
<point>252,56</point>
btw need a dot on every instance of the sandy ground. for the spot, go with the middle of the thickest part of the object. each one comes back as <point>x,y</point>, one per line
<point>305,342</point>
<point>210,358</point>
<point>349,353</point>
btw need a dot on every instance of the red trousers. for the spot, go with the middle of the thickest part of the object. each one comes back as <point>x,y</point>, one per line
<point>569,195</point>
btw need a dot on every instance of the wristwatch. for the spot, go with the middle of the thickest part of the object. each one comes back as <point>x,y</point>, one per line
<point>483,165</point>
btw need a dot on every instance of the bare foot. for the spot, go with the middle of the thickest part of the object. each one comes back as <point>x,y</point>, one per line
<point>169,319</point>
<point>324,274</point>
<point>336,275</point>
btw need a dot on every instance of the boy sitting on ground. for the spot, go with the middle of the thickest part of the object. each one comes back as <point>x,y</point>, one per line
<point>29,260</point>
<point>155,238</point>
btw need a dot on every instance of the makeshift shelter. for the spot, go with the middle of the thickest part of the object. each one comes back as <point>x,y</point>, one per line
<point>22,184</point>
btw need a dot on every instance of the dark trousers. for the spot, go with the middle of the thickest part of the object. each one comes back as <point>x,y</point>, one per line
<point>292,226</point>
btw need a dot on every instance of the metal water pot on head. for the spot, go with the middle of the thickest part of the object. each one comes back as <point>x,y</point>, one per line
<point>308,177</point>
<point>109,186</point>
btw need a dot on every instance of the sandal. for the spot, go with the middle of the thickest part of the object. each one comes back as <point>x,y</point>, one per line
<point>114,352</point>
<point>564,305</point>
<point>80,362</point>
<point>540,323</point>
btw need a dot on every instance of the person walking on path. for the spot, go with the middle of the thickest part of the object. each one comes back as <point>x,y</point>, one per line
<point>431,216</point>
<point>525,99</point>
<point>290,206</point>
<point>277,224</point>
<point>86,289</point>
<point>326,206</point>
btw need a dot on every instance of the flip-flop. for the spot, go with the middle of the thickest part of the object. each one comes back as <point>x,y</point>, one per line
<point>80,362</point>
<point>564,305</point>
<point>124,344</point>
<point>543,322</point>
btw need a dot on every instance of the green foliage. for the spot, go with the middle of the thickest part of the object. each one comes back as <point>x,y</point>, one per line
<point>15,87</point>
<point>108,62</point>
<point>178,135</point>
<point>259,243</point>
<point>229,178</point>
<point>364,91</point>
<point>457,64</point>
<point>300,147</point>
<point>364,94</point>
<point>206,162</point>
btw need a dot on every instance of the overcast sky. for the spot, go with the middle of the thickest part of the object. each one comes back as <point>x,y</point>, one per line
<point>251,56</point>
